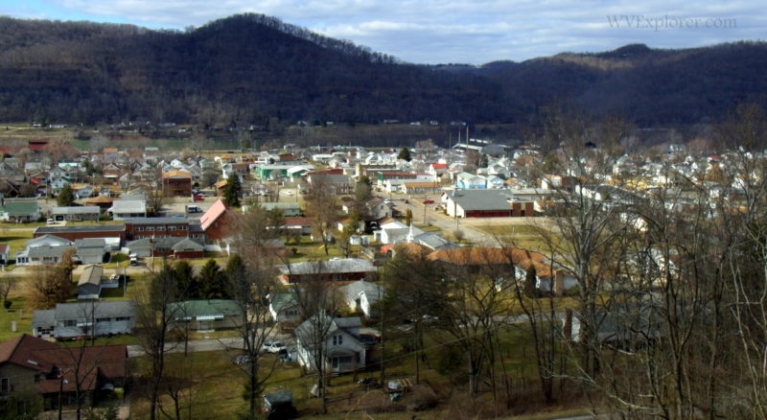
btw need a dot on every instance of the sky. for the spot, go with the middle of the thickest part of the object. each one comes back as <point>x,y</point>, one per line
<point>447,31</point>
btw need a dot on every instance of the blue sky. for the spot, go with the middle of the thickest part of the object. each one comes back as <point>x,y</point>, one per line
<point>447,31</point>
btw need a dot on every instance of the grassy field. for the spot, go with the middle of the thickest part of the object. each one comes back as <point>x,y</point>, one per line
<point>17,314</point>
<point>213,384</point>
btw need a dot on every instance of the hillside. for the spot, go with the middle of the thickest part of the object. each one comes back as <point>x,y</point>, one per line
<point>255,70</point>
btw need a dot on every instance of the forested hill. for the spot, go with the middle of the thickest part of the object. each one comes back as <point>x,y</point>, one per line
<point>251,69</point>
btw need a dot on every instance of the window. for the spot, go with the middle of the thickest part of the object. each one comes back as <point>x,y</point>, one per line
<point>139,228</point>
<point>122,318</point>
<point>338,340</point>
<point>5,385</point>
<point>70,323</point>
<point>161,227</point>
<point>150,228</point>
<point>98,320</point>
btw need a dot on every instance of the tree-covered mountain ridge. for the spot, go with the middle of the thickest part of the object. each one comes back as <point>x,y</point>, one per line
<point>251,69</point>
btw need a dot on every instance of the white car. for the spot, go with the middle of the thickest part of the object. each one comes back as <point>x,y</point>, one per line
<point>273,347</point>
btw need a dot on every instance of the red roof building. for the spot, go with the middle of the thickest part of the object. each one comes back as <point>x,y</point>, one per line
<point>217,221</point>
<point>29,364</point>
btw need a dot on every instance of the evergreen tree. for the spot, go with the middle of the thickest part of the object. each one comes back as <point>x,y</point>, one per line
<point>66,197</point>
<point>404,154</point>
<point>212,281</point>
<point>187,287</point>
<point>232,191</point>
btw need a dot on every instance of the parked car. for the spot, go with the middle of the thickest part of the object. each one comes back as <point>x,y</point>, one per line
<point>428,201</point>
<point>199,197</point>
<point>273,347</point>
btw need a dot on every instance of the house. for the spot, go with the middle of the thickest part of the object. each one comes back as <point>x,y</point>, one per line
<point>19,211</point>
<point>76,214</point>
<point>113,235</point>
<point>89,285</point>
<point>177,183</point>
<point>362,295</point>
<point>341,269</point>
<point>286,209</point>
<point>128,208</point>
<point>284,308</point>
<point>395,231</point>
<point>297,226</point>
<point>338,184</point>
<point>32,365</point>
<point>207,315</point>
<point>180,248</point>
<point>336,341</point>
<point>437,170</point>
<point>628,325</point>
<point>217,221</point>
<point>468,181</point>
<point>83,319</point>
<point>374,209</point>
<point>46,249</point>
<point>421,187</point>
<point>91,250</point>
<point>488,261</point>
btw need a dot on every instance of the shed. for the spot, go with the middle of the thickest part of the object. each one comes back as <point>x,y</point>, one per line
<point>89,285</point>
<point>279,405</point>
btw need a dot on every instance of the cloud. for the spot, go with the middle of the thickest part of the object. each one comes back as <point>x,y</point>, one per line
<point>442,31</point>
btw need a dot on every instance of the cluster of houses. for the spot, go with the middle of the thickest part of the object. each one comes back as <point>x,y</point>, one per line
<point>498,189</point>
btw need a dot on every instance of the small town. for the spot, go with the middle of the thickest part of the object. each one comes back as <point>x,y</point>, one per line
<point>338,279</point>
<point>383,210</point>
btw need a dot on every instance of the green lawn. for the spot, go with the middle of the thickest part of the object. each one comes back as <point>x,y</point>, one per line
<point>215,384</point>
<point>18,314</point>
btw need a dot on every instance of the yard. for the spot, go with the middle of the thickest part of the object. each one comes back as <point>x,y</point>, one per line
<point>213,385</point>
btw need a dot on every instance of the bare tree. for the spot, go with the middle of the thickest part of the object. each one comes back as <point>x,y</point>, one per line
<point>316,299</point>
<point>475,309</point>
<point>52,284</point>
<point>321,208</point>
<point>414,292</point>
<point>154,320</point>
<point>6,286</point>
<point>251,278</point>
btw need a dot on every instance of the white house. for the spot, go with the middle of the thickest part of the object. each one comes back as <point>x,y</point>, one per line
<point>336,341</point>
<point>124,209</point>
<point>362,295</point>
<point>82,319</point>
<point>46,249</point>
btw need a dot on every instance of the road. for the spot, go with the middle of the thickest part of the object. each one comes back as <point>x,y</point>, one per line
<point>426,215</point>
<point>209,344</point>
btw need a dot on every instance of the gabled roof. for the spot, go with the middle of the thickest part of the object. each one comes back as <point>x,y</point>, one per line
<point>19,351</point>
<point>344,265</point>
<point>91,275</point>
<point>372,290</point>
<point>483,255</point>
<point>100,309</point>
<point>215,211</point>
<point>187,244</point>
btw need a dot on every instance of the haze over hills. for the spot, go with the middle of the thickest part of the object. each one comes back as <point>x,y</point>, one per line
<point>253,69</point>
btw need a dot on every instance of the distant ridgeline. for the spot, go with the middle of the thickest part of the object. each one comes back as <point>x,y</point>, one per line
<point>253,70</point>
